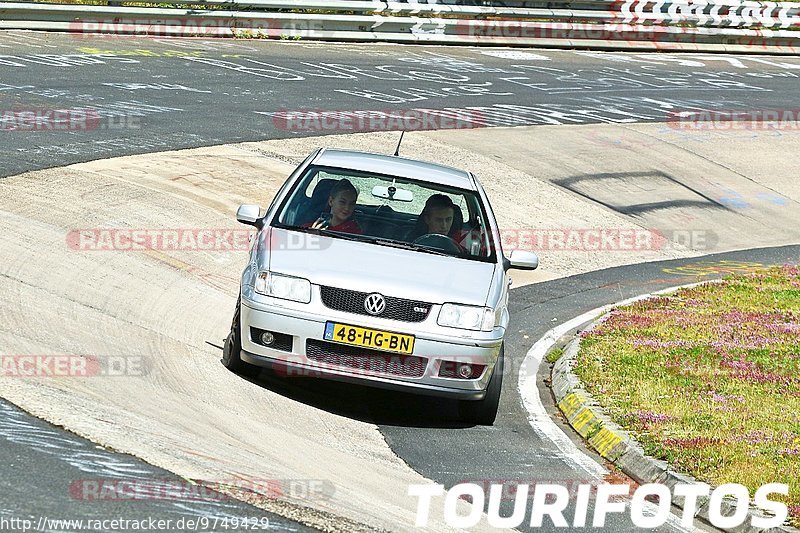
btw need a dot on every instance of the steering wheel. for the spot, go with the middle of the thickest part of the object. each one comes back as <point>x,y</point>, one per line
<point>439,242</point>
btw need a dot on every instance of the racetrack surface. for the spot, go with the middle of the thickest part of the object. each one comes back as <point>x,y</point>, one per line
<point>171,309</point>
<point>40,459</point>
<point>512,451</point>
<point>165,94</point>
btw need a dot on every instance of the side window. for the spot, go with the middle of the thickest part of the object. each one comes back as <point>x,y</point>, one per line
<point>286,184</point>
<point>299,210</point>
<point>461,204</point>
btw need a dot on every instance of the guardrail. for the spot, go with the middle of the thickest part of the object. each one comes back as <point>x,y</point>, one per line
<point>685,25</point>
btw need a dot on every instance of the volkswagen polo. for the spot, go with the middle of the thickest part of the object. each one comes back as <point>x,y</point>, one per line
<point>350,278</point>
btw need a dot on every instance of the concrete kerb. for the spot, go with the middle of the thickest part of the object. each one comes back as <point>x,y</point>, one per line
<point>616,445</point>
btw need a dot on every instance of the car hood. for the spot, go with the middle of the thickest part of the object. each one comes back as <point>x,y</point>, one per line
<point>367,267</point>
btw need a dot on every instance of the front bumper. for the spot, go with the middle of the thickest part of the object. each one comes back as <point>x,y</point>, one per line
<point>433,344</point>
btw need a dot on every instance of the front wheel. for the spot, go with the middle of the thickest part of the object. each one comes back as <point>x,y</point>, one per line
<point>231,350</point>
<point>483,412</point>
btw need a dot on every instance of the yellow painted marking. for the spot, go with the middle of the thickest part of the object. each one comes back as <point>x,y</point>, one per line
<point>582,422</point>
<point>706,268</point>
<point>604,441</point>
<point>571,403</point>
<point>168,259</point>
<point>140,52</point>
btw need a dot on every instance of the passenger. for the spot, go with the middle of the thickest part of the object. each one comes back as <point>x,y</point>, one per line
<point>341,206</point>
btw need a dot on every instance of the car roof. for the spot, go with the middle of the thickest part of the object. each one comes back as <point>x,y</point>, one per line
<point>395,166</point>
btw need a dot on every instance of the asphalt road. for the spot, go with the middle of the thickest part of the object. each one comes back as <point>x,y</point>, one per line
<point>141,95</point>
<point>145,95</point>
<point>426,433</point>
<point>53,479</point>
<point>48,473</point>
<point>511,450</point>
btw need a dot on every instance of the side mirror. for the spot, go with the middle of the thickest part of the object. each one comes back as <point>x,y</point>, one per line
<point>522,260</point>
<point>248,214</point>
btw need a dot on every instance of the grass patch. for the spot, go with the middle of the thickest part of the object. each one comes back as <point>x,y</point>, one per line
<point>708,378</point>
<point>554,355</point>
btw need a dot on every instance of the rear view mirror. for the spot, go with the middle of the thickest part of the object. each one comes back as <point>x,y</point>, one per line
<point>393,193</point>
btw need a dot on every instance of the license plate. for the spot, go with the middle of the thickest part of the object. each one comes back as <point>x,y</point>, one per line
<point>369,338</point>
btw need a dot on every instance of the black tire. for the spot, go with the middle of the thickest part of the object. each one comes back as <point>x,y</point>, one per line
<point>483,412</point>
<point>232,348</point>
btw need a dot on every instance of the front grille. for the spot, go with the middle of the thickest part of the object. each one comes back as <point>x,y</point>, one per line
<point>353,302</point>
<point>370,361</point>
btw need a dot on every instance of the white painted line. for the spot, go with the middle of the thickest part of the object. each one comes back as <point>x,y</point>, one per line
<point>515,54</point>
<point>541,422</point>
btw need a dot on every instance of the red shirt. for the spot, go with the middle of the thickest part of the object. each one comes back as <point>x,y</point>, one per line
<point>348,226</point>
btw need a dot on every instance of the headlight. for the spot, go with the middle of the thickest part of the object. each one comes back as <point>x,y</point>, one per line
<point>467,317</point>
<point>284,287</point>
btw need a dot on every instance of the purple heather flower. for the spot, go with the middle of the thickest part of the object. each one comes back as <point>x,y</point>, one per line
<point>646,417</point>
<point>692,442</point>
<point>655,343</point>
<point>789,451</point>
<point>753,437</point>
<point>725,398</point>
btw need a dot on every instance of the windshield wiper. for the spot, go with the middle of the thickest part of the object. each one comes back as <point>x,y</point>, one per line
<point>374,240</point>
<point>329,233</point>
<point>407,246</point>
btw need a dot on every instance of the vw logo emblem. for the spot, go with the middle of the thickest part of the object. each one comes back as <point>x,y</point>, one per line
<point>374,304</point>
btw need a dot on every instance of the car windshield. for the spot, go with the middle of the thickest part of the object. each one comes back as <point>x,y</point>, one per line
<point>389,211</point>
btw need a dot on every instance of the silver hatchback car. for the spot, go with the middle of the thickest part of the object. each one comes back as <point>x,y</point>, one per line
<point>378,270</point>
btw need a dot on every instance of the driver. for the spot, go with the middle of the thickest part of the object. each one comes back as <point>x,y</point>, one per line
<point>437,217</point>
<point>438,214</point>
